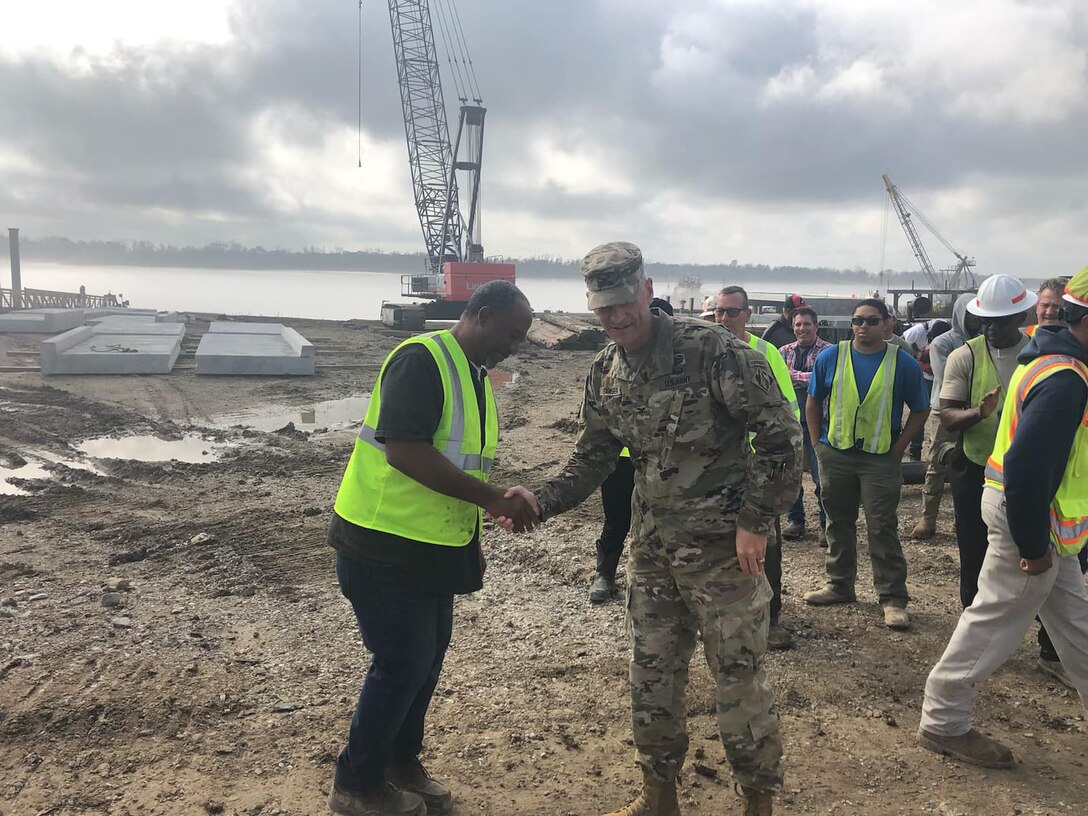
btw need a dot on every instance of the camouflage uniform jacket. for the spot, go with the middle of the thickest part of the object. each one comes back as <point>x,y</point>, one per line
<point>686,414</point>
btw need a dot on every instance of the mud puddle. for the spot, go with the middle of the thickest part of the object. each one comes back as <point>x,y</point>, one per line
<point>326,414</point>
<point>36,465</point>
<point>152,449</point>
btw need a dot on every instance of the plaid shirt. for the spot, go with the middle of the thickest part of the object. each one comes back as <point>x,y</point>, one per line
<point>800,362</point>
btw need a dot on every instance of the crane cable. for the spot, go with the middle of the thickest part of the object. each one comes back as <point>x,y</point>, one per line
<point>883,234</point>
<point>360,131</point>
<point>460,81</point>
<point>466,53</point>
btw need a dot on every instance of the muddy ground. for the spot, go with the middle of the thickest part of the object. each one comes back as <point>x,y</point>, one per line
<point>172,639</point>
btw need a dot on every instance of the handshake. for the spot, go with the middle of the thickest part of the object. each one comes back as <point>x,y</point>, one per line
<point>516,510</point>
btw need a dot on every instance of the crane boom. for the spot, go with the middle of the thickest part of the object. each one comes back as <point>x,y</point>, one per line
<point>430,154</point>
<point>455,255</point>
<point>912,234</point>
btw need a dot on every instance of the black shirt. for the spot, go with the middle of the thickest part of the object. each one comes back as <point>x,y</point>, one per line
<point>411,399</point>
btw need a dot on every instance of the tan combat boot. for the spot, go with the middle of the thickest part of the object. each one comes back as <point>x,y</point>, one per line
<point>658,798</point>
<point>756,802</point>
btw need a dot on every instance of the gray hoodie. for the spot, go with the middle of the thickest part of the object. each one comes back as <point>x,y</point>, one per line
<point>944,345</point>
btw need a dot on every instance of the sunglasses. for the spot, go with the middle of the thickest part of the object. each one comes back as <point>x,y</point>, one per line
<point>998,321</point>
<point>732,311</point>
<point>871,320</point>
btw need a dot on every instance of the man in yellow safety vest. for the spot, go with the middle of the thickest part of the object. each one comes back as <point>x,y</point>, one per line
<point>975,376</point>
<point>858,440</point>
<point>407,535</point>
<point>1048,309</point>
<point>1035,505</point>
<point>732,310</point>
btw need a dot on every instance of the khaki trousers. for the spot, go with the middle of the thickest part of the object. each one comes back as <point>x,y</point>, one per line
<point>993,627</point>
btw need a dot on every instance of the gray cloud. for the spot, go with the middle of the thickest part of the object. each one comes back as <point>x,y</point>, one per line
<point>762,109</point>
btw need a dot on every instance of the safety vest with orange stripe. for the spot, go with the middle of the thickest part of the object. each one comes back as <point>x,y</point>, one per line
<point>1069,509</point>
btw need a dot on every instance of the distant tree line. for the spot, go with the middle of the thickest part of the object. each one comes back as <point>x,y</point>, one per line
<point>232,255</point>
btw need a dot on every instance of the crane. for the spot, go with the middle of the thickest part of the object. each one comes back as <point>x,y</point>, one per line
<point>954,278</point>
<point>455,253</point>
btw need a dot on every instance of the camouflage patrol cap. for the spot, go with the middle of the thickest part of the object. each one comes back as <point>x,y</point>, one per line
<point>613,274</point>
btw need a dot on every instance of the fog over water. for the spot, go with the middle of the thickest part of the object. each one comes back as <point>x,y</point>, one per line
<point>316,294</point>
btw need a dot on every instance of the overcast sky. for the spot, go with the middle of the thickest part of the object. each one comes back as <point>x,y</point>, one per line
<point>704,130</point>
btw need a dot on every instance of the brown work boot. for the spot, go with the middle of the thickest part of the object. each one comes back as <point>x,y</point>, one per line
<point>828,596</point>
<point>756,802</point>
<point>925,528</point>
<point>411,776</point>
<point>658,798</point>
<point>779,638</point>
<point>794,531</point>
<point>386,800</point>
<point>972,747</point>
<point>896,618</point>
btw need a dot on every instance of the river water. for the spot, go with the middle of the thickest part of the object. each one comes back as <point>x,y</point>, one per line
<point>315,294</point>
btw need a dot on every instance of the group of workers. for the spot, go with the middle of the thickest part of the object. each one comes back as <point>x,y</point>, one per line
<point>706,421</point>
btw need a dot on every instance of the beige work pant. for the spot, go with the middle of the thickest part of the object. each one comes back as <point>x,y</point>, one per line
<point>992,628</point>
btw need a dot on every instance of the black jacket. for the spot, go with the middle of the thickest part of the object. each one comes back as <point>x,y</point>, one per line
<point>1036,460</point>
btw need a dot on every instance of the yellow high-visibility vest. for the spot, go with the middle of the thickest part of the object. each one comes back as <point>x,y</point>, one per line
<point>376,495</point>
<point>856,424</point>
<point>978,440</point>
<point>1069,510</point>
<point>779,368</point>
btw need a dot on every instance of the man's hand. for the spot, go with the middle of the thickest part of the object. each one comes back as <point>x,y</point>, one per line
<point>899,448</point>
<point>751,552</point>
<point>525,493</point>
<point>1036,566</point>
<point>989,402</point>
<point>513,512</point>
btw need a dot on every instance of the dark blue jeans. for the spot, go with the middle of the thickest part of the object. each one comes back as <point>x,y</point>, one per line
<point>797,512</point>
<point>407,631</point>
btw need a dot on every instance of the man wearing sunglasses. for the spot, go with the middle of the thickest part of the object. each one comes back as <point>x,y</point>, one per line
<point>976,378</point>
<point>733,312</point>
<point>860,444</point>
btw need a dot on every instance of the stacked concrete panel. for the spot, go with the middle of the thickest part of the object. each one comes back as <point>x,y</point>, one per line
<point>41,321</point>
<point>129,347</point>
<point>254,348</point>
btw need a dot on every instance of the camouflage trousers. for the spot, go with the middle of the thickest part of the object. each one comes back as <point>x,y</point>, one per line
<point>676,591</point>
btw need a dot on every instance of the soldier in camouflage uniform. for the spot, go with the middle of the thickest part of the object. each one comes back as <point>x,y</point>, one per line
<point>684,395</point>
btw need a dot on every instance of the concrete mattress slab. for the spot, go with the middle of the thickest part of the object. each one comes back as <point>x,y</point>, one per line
<point>41,321</point>
<point>254,349</point>
<point>112,348</point>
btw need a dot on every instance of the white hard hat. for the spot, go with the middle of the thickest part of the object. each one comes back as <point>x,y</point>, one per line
<point>1001,296</point>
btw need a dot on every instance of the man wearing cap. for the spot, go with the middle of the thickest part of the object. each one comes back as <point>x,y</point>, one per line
<point>1035,505</point>
<point>686,396</point>
<point>616,505</point>
<point>976,377</point>
<point>780,331</point>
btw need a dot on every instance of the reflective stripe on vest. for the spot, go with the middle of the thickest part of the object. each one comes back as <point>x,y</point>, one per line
<point>375,495</point>
<point>854,423</point>
<point>452,449</point>
<point>978,440</point>
<point>778,368</point>
<point>1069,509</point>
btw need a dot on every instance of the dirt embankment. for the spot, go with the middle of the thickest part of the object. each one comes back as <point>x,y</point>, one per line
<point>172,640</point>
